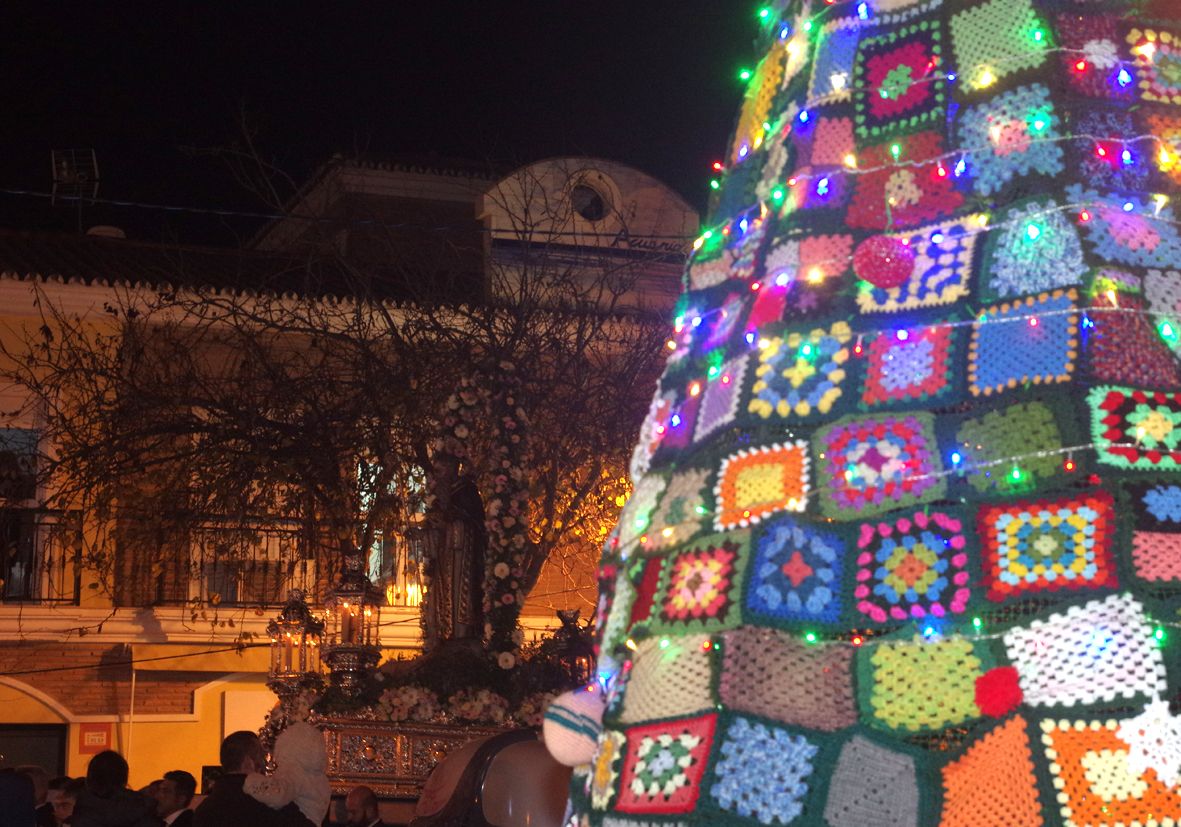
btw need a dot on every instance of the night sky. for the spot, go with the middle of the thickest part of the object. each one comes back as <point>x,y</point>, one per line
<point>651,83</point>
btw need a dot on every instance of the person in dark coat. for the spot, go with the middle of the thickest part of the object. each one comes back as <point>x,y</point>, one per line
<point>174,794</point>
<point>106,801</point>
<point>40,779</point>
<point>227,805</point>
<point>16,798</point>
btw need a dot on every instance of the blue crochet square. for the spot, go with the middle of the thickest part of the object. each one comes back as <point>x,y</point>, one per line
<point>1034,247</point>
<point>832,72</point>
<point>796,573</point>
<point>1130,229</point>
<point>763,772</point>
<point>1105,156</point>
<point>1031,341</point>
<point>1014,134</point>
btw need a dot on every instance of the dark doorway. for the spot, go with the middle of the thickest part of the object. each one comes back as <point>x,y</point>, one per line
<point>42,744</point>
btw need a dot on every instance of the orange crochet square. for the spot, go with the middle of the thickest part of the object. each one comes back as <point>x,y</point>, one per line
<point>753,484</point>
<point>995,775</point>
<point>1098,788</point>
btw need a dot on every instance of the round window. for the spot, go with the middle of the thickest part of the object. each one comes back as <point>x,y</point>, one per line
<point>589,202</point>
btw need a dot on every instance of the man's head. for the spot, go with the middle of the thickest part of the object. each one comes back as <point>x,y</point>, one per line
<point>63,804</point>
<point>241,751</point>
<point>360,805</point>
<point>174,792</point>
<point>40,779</point>
<point>106,774</point>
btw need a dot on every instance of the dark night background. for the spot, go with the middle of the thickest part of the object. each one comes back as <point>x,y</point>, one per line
<point>651,83</point>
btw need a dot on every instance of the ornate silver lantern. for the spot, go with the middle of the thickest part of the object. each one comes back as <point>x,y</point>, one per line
<point>354,607</point>
<point>296,638</point>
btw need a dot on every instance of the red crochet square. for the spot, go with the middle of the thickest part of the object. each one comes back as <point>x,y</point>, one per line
<point>664,765</point>
<point>906,191</point>
<point>916,367</point>
<point>1126,348</point>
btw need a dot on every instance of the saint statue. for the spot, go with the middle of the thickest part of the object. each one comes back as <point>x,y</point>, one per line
<point>454,552</point>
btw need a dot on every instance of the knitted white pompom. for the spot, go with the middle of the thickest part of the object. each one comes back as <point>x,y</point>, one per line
<point>572,725</point>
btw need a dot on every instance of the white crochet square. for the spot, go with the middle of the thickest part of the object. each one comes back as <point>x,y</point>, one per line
<point>1096,652</point>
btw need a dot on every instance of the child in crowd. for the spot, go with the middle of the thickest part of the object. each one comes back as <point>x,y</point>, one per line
<point>299,775</point>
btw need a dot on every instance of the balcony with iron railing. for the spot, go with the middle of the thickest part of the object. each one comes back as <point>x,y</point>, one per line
<point>40,556</point>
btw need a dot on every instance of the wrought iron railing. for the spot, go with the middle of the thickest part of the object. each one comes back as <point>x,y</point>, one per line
<point>40,556</point>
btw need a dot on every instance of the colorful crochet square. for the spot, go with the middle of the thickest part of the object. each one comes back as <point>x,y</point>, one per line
<point>1132,230</point>
<point>719,400</point>
<point>1103,157</point>
<point>1027,341</point>
<point>942,269</point>
<point>702,584</point>
<point>1014,134</point>
<point>992,41</point>
<point>912,567</point>
<point>832,71</point>
<point>870,465</point>
<point>1048,544</point>
<point>872,786</point>
<point>819,188</point>
<point>1156,542</point>
<point>663,766</point>
<point>917,687</point>
<point>897,85</point>
<point>1135,428</point>
<point>1097,652</point>
<point>800,374</point>
<point>1095,41</point>
<point>1167,129</point>
<point>776,675</point>
<point>995,775</point>
<point>681,509</point>
<point>987,444</point>
<point>1126,346</point>
<point>1033,248</point>
<point>1158,64</point>
<point>796,572</point>
<point>757,482</point>
<point>605,769</point>
<point>904,369</point>
<point>763,772</point>
<point>1089,764</point>
<point>670,678</point>
<point>903,191</point>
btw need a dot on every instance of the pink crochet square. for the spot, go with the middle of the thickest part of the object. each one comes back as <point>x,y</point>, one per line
<point>1157,556</point>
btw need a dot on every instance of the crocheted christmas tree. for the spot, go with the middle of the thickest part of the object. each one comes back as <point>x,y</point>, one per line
<point>905,542</point>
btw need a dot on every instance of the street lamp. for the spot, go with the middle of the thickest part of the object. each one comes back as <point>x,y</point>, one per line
<point>354,606</point>
<point>295,650</point>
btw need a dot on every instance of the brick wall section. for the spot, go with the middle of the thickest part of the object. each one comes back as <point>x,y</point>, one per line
<point>95,679</point>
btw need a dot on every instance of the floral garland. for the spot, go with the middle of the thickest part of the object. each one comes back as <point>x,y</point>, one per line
<point>411,703</point>
<point>491,397</point>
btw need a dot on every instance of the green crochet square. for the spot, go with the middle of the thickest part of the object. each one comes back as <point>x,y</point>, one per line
<point>1027,431</point>
<point>920,686</point>
<point>995,39</point>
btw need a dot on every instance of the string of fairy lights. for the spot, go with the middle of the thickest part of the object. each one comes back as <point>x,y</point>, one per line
<point>1123,151</point>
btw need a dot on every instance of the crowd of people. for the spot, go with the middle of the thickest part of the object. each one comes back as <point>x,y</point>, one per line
<point>296,794</point>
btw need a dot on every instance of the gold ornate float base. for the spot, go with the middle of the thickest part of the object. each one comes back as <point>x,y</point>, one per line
<point>393,759</point>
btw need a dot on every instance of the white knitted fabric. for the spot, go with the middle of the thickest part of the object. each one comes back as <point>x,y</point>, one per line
<point>1154,742</point>
<point>1100,651</point>
<point>572,723</point>
<point>670,677</point>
